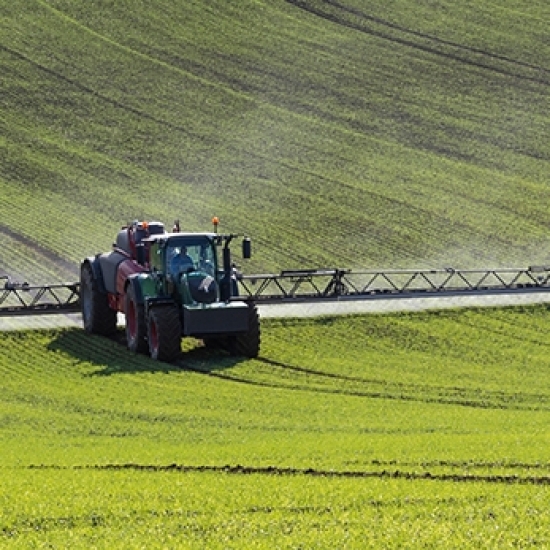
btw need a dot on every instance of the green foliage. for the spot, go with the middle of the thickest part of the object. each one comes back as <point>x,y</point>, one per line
<point>129,509</point>
<point>398,430</point>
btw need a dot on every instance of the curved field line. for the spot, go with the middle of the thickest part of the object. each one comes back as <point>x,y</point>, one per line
<point>431,49</point>
<point>398,386</point>
<point>91,91</point>
<point>502,333</point>
<point>311,472</point>
<point>435,39</point>
<point>403,204</point>
<point>132,51</point>
<point>464,464</point>
<point>373,394</point>
<point>38,249</point>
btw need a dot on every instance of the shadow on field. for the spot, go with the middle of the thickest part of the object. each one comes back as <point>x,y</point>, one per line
<point>112,357</point>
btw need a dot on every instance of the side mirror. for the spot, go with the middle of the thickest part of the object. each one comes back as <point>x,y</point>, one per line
<point>247,248</point>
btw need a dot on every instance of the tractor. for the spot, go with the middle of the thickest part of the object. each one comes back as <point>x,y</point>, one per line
<point>169,285</point>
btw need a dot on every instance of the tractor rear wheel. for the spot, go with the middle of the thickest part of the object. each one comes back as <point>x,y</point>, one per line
<point>136,328</point>
<point>97,316</point>
<point>247,343</point>
<point>164,333</point>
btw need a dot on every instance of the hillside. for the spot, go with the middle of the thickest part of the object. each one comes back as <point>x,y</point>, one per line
<point>332,132</point>
<point>417,430</point>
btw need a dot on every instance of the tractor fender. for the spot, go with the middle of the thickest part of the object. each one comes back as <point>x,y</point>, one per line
<point>143,286</point>
<point>93,262</point>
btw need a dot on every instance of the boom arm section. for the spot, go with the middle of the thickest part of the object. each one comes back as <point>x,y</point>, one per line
<point>305,284</point>
<point>309,285</point>
<point>18,298</point>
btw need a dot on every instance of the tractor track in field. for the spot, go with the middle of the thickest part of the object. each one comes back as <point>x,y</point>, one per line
<point>117,104</point>
<point>511,479</point>
<point>38,250</point>
<point>339,14</point>
<point>458,391</point>
<point>488,401</point>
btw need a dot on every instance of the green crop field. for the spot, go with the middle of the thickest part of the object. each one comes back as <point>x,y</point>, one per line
<point>381,134</point>
<point>411,430</point>
<point>349,133</point>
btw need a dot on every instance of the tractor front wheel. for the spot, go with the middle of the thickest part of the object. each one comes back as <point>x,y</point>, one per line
<point>164,333</point>
<point>97,316</point>
<point>136,328</point>
<point>247,343</point>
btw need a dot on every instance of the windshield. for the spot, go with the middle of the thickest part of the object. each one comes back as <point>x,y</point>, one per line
<point>184,256</point>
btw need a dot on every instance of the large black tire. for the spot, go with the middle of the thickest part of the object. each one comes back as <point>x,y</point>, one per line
<point>164,333</point>
<point>97,316</point>
<point>247,343</point>
<point>136,328</point>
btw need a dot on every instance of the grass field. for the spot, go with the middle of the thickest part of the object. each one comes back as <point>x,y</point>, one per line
<point>410,430</point>
<point>414,134</point>
<point>333,132</point>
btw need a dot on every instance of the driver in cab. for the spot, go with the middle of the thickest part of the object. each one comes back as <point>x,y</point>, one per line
<point>181,263</point>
